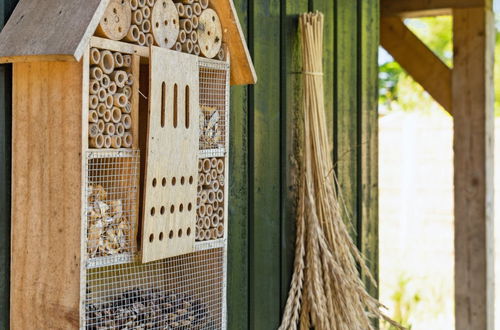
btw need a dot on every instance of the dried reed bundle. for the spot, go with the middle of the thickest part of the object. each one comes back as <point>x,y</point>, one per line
<point>326,291</point>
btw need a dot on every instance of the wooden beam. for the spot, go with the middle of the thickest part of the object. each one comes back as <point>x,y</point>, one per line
<point>420,8</point>
<point>417,59</point>
<point>474,42</point>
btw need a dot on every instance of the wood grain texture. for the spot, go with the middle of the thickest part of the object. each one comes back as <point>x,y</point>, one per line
<point>242,69</point>
<point>420,8</point>
<point>417,59</point>
<point>46,195</point>
<point>473,43</point>
<point>238,267</point>
<point>169,214</point>
<point>50,28</point>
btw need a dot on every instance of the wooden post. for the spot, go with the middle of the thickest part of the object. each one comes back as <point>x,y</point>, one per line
<point>472,80</point>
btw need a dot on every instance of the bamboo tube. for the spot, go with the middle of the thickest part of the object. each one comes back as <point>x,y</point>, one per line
<point>116,115</point>
<point>134,4</point>
<point>199,188</point>
<point>142,3</point>
<point>193,36</point>
<point>182,36</point>
<point>220,196</point>
<point>221,54</point>
<point>120,78</point>
<point>118,59</point>
<point>127,121</point>
<point>93,86</point>
<point>214,220</point>
<point>180,9</point>
<point>116,141</point>
<point>200,165</point>
<point>178,46</point>
<point>109,101</point>
<point>133,34</point>
<point>150,39</point>
<point>204,196</point>
<point>146,13</point>
<point>186,25</point>
<point>213,174</point>
<point>220,166</point>
<point>215,185</point>
<point>150,3</point>
<point>197,8</point>
<point>206,165</point>
<point>196,22</point>
<point>220,213</point>
<point>109,129</point>
<point>101,125</point>
<point>211,196</point>
<point>107,62</point>
<point>127,61</point>
<point>97,142</point>
<point>209,210</point>
<point>201,210</point>
<point>137,17</point>
<point>93,130</point>
<point>95,56</point>
<point>112,88</point>
<point>127,108</point>
<point>107,141</point>
<point>93,116</point>
<point>220,178</point>
<point>120,100</point>
<point>206,222</point>
<point>215,205</point>
<point>213,162</point>
<point>197,235</point>
<point>119,129</point>
<point>201,178</point>
<point>208,179</point>
<point>107,116</point>
<point>96,73</point>
<point>142,38</point>
<point>187,2</point>
<point>220,230</point>
<point>101,94</point>
<point>101,108</point>
<point>196,50</point>
<point>105,81</point>
<point>188,11</point>
<point>213,234</point>
<point>187,47</point>
<point>127,140</point>
<point>204,4</point>
<point>146,26</point>
<point>130,82</point>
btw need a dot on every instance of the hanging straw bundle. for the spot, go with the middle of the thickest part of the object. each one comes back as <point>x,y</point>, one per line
<point>326,291</point>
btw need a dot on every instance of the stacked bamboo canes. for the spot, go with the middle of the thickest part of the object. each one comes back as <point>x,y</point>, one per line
<point>210,212</point>
<point>326,290</point>
<point>110,89</point>
<point>189,12</point>
<point>140,29</point>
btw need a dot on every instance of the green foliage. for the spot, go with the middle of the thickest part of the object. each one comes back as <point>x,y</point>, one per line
<point>405,303</point>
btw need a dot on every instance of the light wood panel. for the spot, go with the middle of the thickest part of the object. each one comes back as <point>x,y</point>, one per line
<point>417,59</point>
<point>46,195</point>
<point>473,39</point>
<point>171,155</point>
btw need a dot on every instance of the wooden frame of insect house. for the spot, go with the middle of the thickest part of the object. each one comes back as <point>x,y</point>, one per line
<point>120,149</point>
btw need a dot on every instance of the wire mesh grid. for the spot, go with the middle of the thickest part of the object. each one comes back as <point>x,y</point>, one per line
<point>111,212</point>
<point>183,292</point>
<point>210,222</point>
<point>214,106</point>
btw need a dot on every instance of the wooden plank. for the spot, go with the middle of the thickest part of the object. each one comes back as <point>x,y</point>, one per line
<point>473,105</point>
<point>368,84</point>
<point>346,130</point>
<point>238,271</point>
<point>118,46</point>
<point>264,165</point>
<point>419,8</point>
<point>50,28</point>
<point>46,195</point>
<point>169,214</point>
<point>417,59</point>
<point>6,8</point>
<point>242,69</point>
<point>292,125</point>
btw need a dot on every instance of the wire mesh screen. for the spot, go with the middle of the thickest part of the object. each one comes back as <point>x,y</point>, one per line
<point>214,98</point>
<point>111,193</point>
<point>210,200</point>
<point>183,292</point>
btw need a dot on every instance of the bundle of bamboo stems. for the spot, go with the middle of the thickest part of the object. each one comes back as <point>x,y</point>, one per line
<point>326,290</point>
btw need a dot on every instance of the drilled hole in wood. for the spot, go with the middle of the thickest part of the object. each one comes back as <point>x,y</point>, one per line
<point>114,11</point>
<point>161,236</point>
<point>182,180</point>
<point>179,233</point>
<point>166,22</point>
<point>164,182</point>
<point>157,25</point>
<point>190,207</point>
<point>164,4</point>
<point>172,209</point>
<point>151,238</point>
<point>181,208</point>
<point>188,232</point>
<point>162,210</point>
<point>173,181</point>
<point>171,234</point>
<point>154,182</point>
<point>191,180</point>
<point>153,211</point>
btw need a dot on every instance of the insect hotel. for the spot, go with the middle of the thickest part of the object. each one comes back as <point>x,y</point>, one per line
<point>120,146</point>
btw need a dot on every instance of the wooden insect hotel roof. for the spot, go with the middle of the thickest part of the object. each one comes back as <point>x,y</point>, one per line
<point>60,30</point>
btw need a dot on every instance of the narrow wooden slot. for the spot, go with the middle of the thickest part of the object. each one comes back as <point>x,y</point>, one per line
<point>163,103</point>
<point>186,105</point>
<point>175,105</point>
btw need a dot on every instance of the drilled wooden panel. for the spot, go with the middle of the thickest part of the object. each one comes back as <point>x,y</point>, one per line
<point>170,183</point>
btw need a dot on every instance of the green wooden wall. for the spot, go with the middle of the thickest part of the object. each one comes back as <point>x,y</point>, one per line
<point>265,125</point>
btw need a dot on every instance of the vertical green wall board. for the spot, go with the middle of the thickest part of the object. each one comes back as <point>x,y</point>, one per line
<point>264,165</point>
<point>6,8</point>
<point>291,133</point>
<point>238,266</point>
<point>368,136</point>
